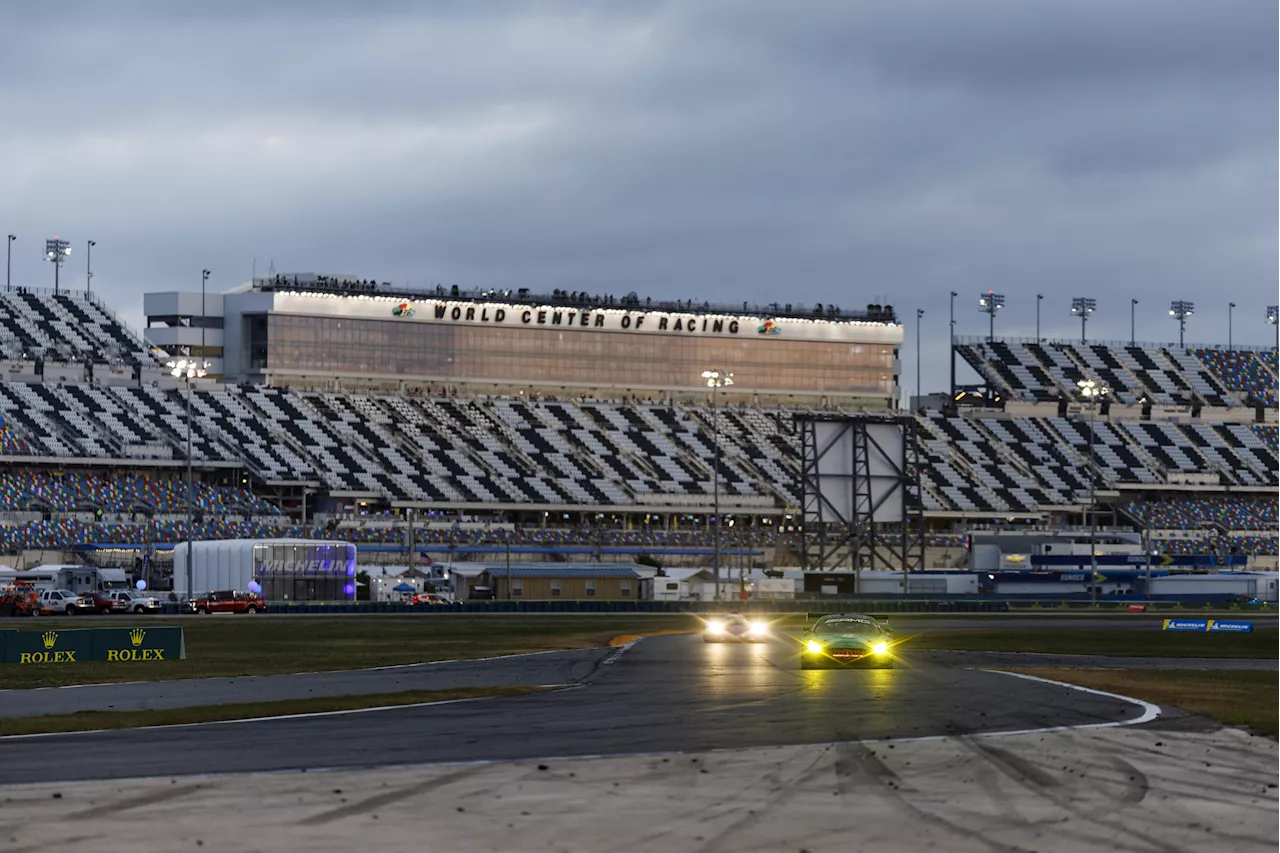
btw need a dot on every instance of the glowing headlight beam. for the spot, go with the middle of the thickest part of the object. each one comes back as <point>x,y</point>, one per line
<point>880,648</point>
<point>715,626</point>
<point>759,627</point>
<point>814,646</point>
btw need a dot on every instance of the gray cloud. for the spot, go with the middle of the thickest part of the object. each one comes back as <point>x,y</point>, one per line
<point>847,153</point>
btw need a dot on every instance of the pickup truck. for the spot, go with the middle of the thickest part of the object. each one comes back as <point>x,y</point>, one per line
<point>128,601</point>
<point>52,601</point>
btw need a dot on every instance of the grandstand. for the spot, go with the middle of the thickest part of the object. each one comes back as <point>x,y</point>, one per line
<point>93,441</point>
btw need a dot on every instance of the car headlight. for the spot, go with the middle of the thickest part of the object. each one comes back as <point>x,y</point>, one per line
<point>880,648</point>
<point>715,626</point>
<point>759,627</point>
<point>814,646</point>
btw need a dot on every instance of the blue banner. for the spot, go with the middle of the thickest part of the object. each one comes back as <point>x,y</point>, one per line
<point>1186,624</point>
<point>1230,627</point>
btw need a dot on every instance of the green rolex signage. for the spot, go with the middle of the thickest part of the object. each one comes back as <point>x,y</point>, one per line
<point>78,645</point>
<point>124,645</point>
<point>57,645</point>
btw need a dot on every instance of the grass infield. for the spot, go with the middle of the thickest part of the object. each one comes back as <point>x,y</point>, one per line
<point>97,720</point>
<point>1245,699</point>
<point>1123,642</point>
<point>234,645</point>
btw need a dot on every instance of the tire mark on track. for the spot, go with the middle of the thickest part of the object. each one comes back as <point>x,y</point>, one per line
<point>364,805</point>
<point>995,759</point>
<point>164,795</point>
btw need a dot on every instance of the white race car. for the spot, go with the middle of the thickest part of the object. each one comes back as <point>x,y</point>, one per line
<point>734,628</point>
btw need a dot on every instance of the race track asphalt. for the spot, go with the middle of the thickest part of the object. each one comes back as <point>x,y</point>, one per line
<point>666,693</point>
<point>536,670</point>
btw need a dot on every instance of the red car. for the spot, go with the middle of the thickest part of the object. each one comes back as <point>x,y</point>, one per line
<point>102,602</point>
<point>228,601</point>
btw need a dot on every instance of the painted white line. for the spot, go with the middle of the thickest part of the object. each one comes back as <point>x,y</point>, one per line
<point>1149,713</point>
<point>555,687</point>
<point>619,652</point>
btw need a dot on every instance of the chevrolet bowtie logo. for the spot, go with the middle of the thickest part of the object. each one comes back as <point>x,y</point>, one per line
<point>50,639</point>
<point>136,636</point>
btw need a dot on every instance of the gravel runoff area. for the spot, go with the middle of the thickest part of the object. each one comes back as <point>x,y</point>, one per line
<point>1078,791</point>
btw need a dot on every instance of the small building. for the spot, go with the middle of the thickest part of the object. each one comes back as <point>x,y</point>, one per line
<point>550,581</point>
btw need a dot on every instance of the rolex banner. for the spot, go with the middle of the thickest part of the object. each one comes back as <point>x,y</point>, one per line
<point>78,645</point>
<point>55,645</point>
<point>125,645</point>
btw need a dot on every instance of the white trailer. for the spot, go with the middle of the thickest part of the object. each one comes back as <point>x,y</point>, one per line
<point>77,579</point>
<point>1216,584</point>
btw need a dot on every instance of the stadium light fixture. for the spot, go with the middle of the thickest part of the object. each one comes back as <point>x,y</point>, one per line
<point>1133,307</point>
<point>88,266</point>
<point>8,262</point>
<point>1039,299</point>
<point>716,379</point>
<point>1092,391</point>
<point>1082,307</point>
<point>1273,317</point>
<point>1231,307</point>
<point>56,252</point>
<point>1180,310</point>
<point>989,303</point>
<point>188,369</point>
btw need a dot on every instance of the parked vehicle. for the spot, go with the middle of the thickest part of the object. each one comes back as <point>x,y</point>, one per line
<point>99,602</point>
<point>54,601</point>
<point>228,601</point>
<point>128,601</point>
<point>19,599</point>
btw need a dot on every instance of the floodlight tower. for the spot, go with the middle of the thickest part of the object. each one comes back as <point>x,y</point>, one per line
<point>1180,310</point>
<point>188,369</point>
<point>1092,391</point>
<point>1273,317</point>
<point>1082,307</point>
<point>56,252</point>
<point>716,379</point>
<point>989,303</point>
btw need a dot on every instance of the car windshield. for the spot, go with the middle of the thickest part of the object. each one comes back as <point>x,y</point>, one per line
<point>846,626</point>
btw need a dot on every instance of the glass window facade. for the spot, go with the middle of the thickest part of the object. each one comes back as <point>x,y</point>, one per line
<point>305,571</point>
<point>461,353</point>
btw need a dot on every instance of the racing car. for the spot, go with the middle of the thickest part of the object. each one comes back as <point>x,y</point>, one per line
<point>847,639</point>
<point>734,627</point>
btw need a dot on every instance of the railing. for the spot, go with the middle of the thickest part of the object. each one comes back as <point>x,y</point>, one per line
<point>1169,345</point>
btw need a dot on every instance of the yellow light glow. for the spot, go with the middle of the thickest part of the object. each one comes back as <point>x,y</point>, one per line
<point>814,646</point>
<point>880,648</point>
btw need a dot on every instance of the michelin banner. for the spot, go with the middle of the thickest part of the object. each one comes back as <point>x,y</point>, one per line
<point>1221,626</point>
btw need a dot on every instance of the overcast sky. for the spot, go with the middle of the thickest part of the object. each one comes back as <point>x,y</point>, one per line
<point>845,152</point>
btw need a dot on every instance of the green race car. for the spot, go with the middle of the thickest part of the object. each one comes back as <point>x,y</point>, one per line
<point>846,639</point>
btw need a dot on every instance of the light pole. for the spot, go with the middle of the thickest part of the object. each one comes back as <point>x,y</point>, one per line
<point>1273,317</point>
<point>188,369</point>
<point>1133,304</point>
<point>56,252</point>
<point>716,379</point>
<point>88,266</point>
<point>1091,391</point>
<point>204,277</point>
<point>8,262</point>
<point>1082,307</point>
<point>1231,306</point>
<point>919,314</point>
<point>1039,299</point>
<point>989,303</point>
<point>952,346</point>
<point>1180,310</point>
